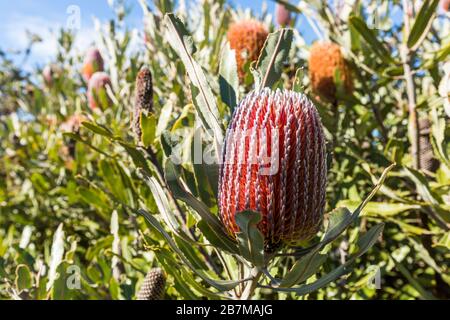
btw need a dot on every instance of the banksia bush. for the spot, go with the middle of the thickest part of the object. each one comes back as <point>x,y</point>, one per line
<point>324,61</point>
<point>153,286</point>
<point>93,62</point>
<point>247,38</point>
<point>97,95</point>
<point>143,102</point>
<point>282,15</point>
<point>290,195</point>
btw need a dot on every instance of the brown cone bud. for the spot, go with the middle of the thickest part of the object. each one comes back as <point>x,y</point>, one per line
<point>274,162</point>
<point>247,38</point>
<point>153,286</point>
<point>324,60</point>
<point>427,160</point>
<point>143,99</point>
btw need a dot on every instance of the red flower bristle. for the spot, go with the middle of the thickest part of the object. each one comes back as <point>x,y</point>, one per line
<point>285,126</point>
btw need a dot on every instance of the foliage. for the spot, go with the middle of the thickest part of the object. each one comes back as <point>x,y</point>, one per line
<point>85,214</point>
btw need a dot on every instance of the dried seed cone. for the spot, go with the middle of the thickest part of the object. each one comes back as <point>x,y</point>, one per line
<point>93,62</point>
<point>325,58</point>
<point>427,160</point>
<point>143,99</point>
<point>153,286</point>
<point>282,15</point>
<point>247,38</point>
<point>274,162</point>
<point>97,95</point>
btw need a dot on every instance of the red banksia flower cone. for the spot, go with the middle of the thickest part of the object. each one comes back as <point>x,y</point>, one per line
<point>247,38</point>
<point>274,162</point>
<point>143,99</point>
<point>324,60</point>
<point>97,95</point>
<point>93,62</point>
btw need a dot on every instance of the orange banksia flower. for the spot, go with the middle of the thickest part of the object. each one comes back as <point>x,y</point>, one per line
<point>282,15</point>
<point>93,62</point>
<point>324,60</point>
<point>247,38</point>
<point>274,162</point>
<point>97,95</point>
<point>143,99</point>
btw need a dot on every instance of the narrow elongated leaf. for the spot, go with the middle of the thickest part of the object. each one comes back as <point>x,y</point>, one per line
<point>273,55</point>
<point>182,43</point>
<point>371,38</point>
<point>422,21</point>
<point>56,256</point>
<point>221,285</point>
<point>303,269</point>
<point>228,77</point>
<point>99,129</point>
<point>250,239</point>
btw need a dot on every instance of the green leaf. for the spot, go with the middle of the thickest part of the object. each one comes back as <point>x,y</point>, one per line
<point>148,128</point>
<point>303,268</point>
<point>273,55</point>
<point>99,129</point>
<point>24,279</point>
<point>221,285</point>
<point>339,220</point>
<point>56,256</point>
<point>183,44</point>
<point>250,239</point>
<point>228,78</point>
<point>423,20</point>
<point>381,209</point>
<point>371,38</point>
<point>364,244</point>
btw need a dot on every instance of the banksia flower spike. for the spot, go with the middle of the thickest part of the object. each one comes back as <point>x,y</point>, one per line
<point>97,95</point>
<point>48,75</point>
<point>324,60</point>
<point>274,162</point>
<point>153,286</point>
<point>143,99</point>
<point>247,38</point>
<point>93,62</point>
<point>427,160</point>
<point>282,15</point>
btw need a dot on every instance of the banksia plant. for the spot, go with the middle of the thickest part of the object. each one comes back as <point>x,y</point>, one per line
<point>48,75</point>
<point>247,38</point>
<point>325,61</point>
<point>93,62</point>
<point>282,126</point>
<point>143,103</point>
<point>97,95</point>
<point>282,15</point>
<point>153,286</point>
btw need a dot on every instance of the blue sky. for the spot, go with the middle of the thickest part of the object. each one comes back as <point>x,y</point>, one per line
<point>45,17</point>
